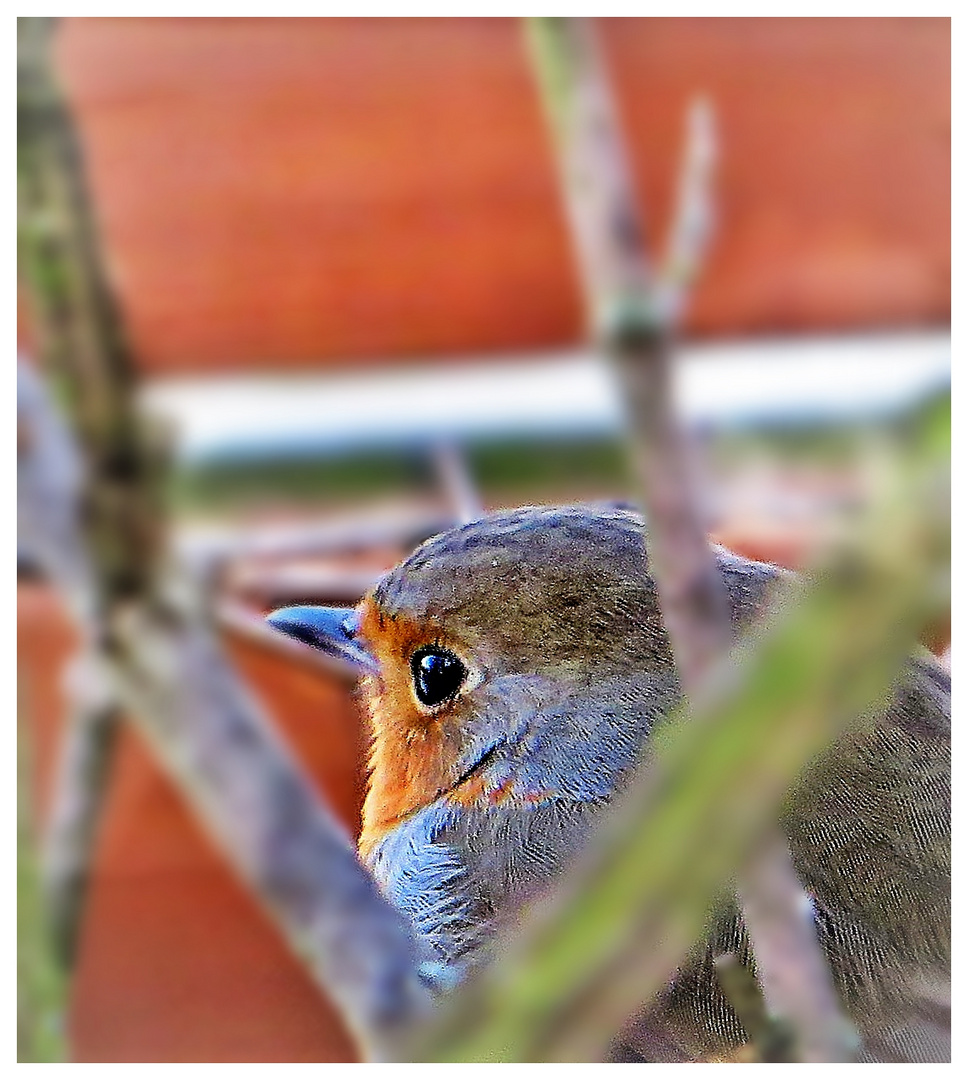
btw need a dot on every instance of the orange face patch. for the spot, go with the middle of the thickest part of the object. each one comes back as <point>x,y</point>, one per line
<point>413,755</point>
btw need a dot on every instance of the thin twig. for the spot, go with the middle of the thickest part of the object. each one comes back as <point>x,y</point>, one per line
<point>201,547</point>
<point>236,620</point>
<point>454,477</point>
<point>769,1039</point>
<point>622,298</point>
<point>692,223</point>
<point>796,981</point>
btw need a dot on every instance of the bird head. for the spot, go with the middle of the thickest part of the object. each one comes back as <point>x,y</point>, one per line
<point>494,644</point>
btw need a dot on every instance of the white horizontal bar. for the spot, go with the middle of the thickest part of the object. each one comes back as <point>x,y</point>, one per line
<point>560,393</point>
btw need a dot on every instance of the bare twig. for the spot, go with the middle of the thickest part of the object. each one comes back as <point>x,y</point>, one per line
<point>622,300</point>
<point>254,799</point>
<point>81,334</point>
<point>273,586</point>
<point>796,982</point>
<point>454,476</point>
<point>692,224</point>
<point>769,1040</point>
<point>86,518</point>
<point>237,620</point>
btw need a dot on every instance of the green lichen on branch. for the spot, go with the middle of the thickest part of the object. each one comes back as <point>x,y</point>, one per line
<point>78,325</point>
<point>41,986</point>
<point>641,901</point>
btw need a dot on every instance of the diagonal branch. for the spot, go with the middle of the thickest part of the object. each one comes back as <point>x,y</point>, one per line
<point>618,926</point>
<point>632,312</point>
<point>91,517</point>
<point>635,312</point>
<point>164,666</point>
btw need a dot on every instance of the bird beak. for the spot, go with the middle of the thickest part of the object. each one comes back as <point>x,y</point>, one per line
<point>333,630</point>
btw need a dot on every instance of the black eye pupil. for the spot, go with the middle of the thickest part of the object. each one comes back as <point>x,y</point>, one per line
<point>437,675</point>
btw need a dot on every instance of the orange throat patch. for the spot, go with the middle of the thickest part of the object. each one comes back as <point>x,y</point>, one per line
<point>412,755</point>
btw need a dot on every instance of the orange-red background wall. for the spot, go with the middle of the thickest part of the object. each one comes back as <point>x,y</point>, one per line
<point>292,192</point>
<point>288,191</point>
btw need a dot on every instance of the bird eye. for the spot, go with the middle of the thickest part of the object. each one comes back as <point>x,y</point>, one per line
<point>437,675</point>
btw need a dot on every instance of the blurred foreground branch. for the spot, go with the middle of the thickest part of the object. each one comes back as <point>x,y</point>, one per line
<point>617,928</point>
<point>41,989</point>
<point>92,517</point>
<point>162,662</point>
<point>80,784</point>
<point>634,312</point>
<point>86,515</point>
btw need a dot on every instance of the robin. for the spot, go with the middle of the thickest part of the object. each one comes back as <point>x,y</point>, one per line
<point>514,669</point>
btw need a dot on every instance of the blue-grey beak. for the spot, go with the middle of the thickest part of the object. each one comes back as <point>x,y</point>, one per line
<point>333,630</point>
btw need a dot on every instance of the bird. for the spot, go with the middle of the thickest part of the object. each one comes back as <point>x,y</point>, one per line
<point>514,669</point>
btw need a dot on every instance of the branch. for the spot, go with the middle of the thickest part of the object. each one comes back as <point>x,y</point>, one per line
<point>254,799</point>
<point>80,785</point>
<point>692,223</point>
<point>616,928</point>
<point>456,482</point>
<point>50,478</point>
<point>50,489</point>
<point>41,987</point>
<point>623,304</point>
<point>796,982</point>
<point>636,316</point>
<point>155,643</point>
<point>632,313</point>
<point>768,1039</point>
<point>165,668</point>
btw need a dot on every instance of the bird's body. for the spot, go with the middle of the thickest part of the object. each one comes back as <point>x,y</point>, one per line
<point>518,666</point>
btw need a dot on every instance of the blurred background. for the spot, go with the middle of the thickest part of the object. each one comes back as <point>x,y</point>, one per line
<point>341,256</point>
